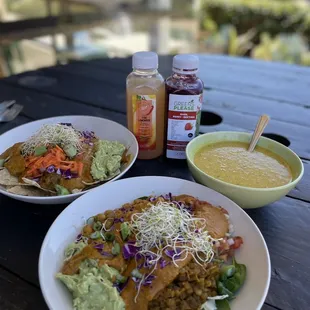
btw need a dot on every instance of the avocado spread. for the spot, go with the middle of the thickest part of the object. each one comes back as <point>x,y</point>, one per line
<point>107,160</point>
<point>92,287</point>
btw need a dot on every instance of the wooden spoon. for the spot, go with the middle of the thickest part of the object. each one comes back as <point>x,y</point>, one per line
<point>260,126</point>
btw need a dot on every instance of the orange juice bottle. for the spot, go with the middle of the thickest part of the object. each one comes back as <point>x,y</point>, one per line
<point>146,106</point>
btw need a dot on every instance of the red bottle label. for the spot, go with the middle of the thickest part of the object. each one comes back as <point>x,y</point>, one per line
<point>183,123</point>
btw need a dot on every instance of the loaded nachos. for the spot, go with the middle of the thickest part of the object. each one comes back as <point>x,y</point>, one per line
<point>60,160</point>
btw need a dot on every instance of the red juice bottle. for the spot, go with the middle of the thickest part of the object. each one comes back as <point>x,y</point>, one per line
<point>184,91</point>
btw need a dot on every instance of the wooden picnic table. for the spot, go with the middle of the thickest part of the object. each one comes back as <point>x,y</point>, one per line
<point>237,91</point>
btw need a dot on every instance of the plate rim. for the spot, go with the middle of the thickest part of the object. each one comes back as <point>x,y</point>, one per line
<point>75,195</point>
<point>71,205</point>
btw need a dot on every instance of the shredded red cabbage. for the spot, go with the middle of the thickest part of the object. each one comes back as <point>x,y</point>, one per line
<point>136,280</point>
<point>163,263</point>
<point>149,260</point>
<point>166,197</point>
<point>120,286</point>
<point>50,169</point>
<point>88,134</point>
<point>66,124</point>
<point>78,238</point>
<point>170,196</point>
<point>130,250</point>
<point>138,256</point>
<point>148,280</point>
<point>103,253</point>
<point>173,254</point>
<point>67,174</point>
<point>99,246</point>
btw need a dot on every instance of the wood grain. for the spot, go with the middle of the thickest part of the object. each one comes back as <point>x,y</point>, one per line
<point>271,82</point>
<point>23,246</point>
<point>38,105</point>
<point>284,225</point>
<point>80,89</point>
<point>269,307</point>
<point>244,90</point>
<point>249,105</point>
<point>301,191</point>
<point>16,294</point>
<point>272,67</point>
<point>276,81</point>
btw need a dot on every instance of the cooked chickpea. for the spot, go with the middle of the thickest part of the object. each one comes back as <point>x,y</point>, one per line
<point>87,230</point>
<point>101,217</point>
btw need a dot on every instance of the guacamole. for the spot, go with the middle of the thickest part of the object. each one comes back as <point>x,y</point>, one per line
<point>107,160</point>
<point>92,287</point>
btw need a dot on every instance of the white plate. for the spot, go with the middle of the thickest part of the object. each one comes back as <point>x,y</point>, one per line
<point>103,128</point>
<point>254,252</point>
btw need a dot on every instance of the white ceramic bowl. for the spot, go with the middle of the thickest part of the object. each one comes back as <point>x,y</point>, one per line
<point>67,226</point>
<point>103,128</point>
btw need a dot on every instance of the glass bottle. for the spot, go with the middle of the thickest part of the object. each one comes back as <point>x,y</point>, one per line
<point>146,104</point>
<point>184,95</point>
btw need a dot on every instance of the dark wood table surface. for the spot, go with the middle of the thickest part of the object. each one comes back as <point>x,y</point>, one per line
<point>237,91</point>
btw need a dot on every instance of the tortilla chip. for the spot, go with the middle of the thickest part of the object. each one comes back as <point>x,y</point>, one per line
<point>26,191</point>
<point>36,184</point>
<point>6,179</point>
<point>75,191</point>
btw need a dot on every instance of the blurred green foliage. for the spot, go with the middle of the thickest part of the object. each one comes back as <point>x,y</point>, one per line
<point>269,16</point>
<point>282,28</point>
<point>290,48</point>
<point>228,40</point>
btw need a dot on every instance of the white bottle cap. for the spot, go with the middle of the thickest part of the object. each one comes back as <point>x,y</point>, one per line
<point>185,64</point>
<point>145,60</point>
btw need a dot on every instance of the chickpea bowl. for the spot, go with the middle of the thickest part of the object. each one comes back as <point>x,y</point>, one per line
<point>220,160</point>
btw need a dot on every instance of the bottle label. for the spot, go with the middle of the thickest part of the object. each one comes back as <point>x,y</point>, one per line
<point>144,120</point>
<point>183,123</point>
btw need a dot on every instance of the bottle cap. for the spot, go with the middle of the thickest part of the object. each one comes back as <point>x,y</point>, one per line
<point>185,64</point>
<point>145,60</point>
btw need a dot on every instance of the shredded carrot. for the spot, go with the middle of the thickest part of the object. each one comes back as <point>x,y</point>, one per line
<point>53,157</point>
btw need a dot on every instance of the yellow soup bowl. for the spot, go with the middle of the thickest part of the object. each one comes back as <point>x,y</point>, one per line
<point>245,197</point>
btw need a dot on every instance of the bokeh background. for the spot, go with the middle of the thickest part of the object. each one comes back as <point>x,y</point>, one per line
<point>39,33</point>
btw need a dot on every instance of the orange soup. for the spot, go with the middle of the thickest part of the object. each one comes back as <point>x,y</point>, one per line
<point>232,163</point>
